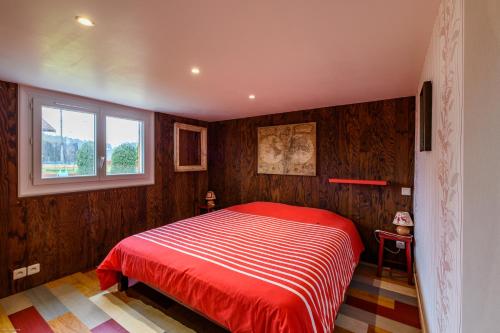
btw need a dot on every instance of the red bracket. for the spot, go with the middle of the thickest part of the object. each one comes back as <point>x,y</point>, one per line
<point>359,181</point>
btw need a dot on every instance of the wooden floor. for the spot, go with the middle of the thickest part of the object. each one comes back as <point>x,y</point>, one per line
<point>75,304</point>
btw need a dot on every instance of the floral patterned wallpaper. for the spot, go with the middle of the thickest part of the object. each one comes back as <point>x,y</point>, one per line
<point>438,177</point>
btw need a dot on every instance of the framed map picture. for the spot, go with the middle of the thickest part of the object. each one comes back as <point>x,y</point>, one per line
<point>287,149</point>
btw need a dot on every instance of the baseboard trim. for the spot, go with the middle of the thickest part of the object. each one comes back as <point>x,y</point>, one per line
<point>420,300</point>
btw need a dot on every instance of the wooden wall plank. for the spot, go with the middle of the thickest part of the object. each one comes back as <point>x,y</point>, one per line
<point>68,233</point>
<point>187,140</point>
<point>367,140</point>
<point>8,120</point>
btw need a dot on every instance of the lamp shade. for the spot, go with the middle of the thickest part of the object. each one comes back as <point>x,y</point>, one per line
<point>210,195</point>
<point>403,219</point>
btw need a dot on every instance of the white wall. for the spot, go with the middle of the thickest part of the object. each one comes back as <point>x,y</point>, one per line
<point>457,185</point>
<point>481,236</point>
<point>438,176</point>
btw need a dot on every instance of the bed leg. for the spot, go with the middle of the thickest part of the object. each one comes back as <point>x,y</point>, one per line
<point>122,282</point>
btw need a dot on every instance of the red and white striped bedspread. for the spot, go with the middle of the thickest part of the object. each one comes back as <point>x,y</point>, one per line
<point>247,271</point>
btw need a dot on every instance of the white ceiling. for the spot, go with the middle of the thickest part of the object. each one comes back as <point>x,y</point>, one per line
<point>292,54</point>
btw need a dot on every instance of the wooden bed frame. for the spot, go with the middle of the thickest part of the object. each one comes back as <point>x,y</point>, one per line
<point>123,284</point>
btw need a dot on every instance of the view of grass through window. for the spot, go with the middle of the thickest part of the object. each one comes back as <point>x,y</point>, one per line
<point>69,144</point>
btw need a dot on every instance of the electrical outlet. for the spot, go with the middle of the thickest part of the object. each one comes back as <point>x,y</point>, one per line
<point>19,273</point>
<point>33,269</point>
<point>400,245</point>
<point>406,191</point>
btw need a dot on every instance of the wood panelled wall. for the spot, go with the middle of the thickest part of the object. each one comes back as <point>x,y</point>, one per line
<point>363,141</point>
<point>73,232</point>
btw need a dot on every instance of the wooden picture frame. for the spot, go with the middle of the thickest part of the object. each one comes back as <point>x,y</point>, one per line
<point>287,149</point>
<point>195,148</point>
<point>426,117</point>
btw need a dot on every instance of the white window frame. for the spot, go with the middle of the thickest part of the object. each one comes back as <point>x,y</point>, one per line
<point>37,102</point>
<point>29,146</point>
<point>117,113</point>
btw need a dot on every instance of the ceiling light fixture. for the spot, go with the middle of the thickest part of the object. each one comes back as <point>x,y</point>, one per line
<point>84,21</point>
<point>195,70</point>
<point>252,96</point>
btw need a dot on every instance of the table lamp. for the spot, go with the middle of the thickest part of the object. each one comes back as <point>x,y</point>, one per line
<point>403,221</point>
<point>210,197</point>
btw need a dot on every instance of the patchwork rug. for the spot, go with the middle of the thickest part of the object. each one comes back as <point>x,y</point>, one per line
<point>75,304</point>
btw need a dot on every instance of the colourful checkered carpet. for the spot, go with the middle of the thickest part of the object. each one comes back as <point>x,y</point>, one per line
<point>75,304</point>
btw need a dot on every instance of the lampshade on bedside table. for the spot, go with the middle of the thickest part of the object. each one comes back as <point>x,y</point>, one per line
<point>403,221</point>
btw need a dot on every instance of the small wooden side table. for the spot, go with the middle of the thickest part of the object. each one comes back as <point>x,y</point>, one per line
<point>385,235</point>
<point>204,207</point>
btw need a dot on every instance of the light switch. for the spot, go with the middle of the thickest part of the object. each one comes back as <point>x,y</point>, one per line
<point>406,191</point>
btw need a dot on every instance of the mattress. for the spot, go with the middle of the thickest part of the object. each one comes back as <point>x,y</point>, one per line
<point>257,267</point>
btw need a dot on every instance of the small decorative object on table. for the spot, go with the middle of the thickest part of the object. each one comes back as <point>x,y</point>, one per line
<point>403,221</point>
<point>210,197</point>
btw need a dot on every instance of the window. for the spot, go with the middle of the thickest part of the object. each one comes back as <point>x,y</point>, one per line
<point>75,144</point>
<point>124,146</point>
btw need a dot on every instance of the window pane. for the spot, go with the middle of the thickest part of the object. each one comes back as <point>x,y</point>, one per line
<point>68,143</point>
<point>124,146</point>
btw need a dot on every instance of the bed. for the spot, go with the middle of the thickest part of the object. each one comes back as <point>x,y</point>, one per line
<point>257,267</point>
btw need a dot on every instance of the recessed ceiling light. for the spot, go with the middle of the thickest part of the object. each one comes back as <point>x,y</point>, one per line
<point>84,21</point>
<point>251,96</point>
<point>195,70</point>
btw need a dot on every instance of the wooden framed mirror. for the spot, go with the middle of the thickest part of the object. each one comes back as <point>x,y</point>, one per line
<point>190,148</point>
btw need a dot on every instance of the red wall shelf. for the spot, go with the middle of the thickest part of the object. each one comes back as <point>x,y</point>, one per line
<point>359,181</point>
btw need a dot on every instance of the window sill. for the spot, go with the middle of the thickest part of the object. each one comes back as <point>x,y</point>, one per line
<point>31,190</point>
